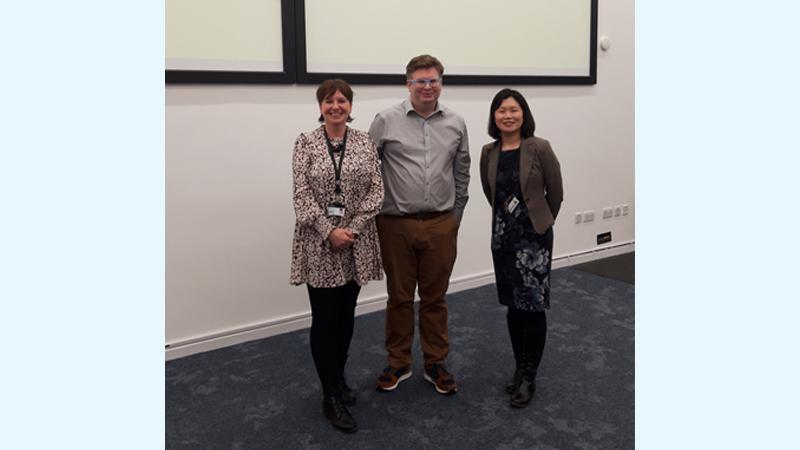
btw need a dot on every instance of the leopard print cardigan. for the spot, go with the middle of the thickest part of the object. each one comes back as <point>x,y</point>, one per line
<point>313,260</point>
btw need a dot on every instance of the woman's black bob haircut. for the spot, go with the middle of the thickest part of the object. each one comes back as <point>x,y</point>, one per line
<point>528,125</point>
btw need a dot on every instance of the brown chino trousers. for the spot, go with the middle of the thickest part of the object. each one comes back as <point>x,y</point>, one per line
<point>417,251</point>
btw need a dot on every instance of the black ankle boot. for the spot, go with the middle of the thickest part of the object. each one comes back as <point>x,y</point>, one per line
<point>515,379</point>
<point>523,393</point>
<point>338,414</point>
<point>516,331</point>
<point>345,393</point>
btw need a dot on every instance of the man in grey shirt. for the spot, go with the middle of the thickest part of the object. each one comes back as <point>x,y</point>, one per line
<point>425,162</point>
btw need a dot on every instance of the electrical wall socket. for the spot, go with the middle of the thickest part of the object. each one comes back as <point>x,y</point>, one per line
<point>625,210</point>
<point>617,211</point>
<point>588,216</point>
<point>607,213</point>
<point>578,217</point>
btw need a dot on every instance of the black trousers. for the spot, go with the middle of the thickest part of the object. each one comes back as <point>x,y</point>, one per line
<point>528,331</point>
<point>332,319</point>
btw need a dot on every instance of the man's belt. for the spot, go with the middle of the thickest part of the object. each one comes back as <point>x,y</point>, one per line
<point>426,215</point>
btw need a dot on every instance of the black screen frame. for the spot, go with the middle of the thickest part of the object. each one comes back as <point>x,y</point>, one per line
<point>305,77</point>
<point>287,76</point>
<point>295,69</point>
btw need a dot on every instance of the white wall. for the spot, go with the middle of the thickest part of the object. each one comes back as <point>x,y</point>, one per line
<point>229,211</point>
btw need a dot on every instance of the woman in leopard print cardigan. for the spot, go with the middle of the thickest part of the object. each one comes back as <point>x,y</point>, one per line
<point>335,249</point>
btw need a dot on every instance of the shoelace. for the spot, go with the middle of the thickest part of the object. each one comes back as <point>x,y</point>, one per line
<point>437,371</point>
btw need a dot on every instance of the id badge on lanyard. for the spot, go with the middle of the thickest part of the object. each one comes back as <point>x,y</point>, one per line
<point>511,204</point>
<point>336,208</point>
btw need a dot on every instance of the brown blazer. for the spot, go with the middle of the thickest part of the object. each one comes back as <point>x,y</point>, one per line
<point>539,176</point>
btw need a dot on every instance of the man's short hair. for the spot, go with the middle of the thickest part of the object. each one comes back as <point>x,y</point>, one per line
<point>424,62</point>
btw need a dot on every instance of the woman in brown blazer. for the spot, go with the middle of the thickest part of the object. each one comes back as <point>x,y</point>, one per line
<point>521,179</point>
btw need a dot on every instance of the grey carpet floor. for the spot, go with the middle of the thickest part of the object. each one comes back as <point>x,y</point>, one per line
<point>620,267</point>
<point>265,395</point>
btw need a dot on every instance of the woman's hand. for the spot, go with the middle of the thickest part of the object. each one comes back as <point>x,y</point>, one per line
<point>341,238</point>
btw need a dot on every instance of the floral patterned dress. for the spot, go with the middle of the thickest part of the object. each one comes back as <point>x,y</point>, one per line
<point>522,258</point>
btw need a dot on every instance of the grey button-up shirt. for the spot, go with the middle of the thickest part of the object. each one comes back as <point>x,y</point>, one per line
<point>425,162</point>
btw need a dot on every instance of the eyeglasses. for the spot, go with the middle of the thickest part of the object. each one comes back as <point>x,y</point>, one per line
<point>435,82</point>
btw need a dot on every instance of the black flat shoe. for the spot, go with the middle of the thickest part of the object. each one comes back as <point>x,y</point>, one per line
<point>512,385</point>
<point>338,414</point>
<point>523,393</point>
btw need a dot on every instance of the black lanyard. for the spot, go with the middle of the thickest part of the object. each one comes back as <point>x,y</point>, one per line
<point>337,169</point>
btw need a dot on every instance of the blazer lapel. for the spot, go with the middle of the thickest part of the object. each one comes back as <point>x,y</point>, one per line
<point>525,159</point>
<point>494,155</point>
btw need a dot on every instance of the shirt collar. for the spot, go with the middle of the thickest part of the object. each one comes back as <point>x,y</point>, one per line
<point>408,107</point>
